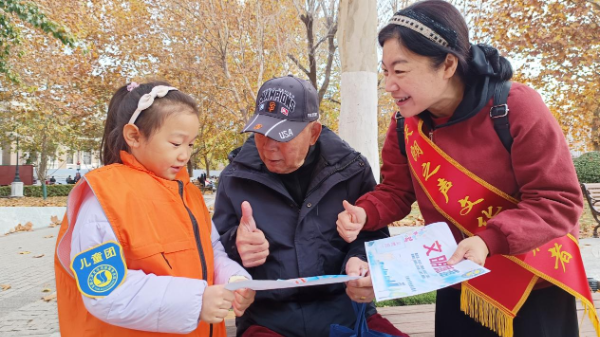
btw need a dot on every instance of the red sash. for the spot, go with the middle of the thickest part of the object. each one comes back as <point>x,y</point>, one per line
<point>468,202</point>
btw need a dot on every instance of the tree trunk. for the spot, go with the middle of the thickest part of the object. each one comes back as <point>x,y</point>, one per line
<point>358,53</point>
<point>308,18</point>
<point>190,167</point>
<point>595,131</point>
<point>207,165</point>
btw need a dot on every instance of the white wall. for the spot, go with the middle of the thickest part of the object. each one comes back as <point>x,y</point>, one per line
<point>10,217</point>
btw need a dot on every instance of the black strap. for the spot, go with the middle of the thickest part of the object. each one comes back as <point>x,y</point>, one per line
<point>400,132</point>
<point>499,114</point>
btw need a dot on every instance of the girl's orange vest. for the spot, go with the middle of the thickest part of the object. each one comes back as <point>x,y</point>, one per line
<point>152,219</point>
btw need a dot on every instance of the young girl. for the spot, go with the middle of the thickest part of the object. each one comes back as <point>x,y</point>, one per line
<point>137,254</point>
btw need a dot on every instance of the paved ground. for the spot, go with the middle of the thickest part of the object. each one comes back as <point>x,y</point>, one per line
<point>24,313</point>
<point>22,310</point>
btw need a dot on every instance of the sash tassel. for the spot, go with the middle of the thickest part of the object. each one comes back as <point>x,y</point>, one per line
<point>485,312</point>
<point>590,310</point>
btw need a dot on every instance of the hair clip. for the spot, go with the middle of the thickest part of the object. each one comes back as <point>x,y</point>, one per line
<point>132,86</point>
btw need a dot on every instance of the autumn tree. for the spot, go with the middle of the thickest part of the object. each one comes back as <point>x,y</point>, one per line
<point>557,44</point>
<point>220,52</point>
<point>10,33</point>
<point>237,47</point>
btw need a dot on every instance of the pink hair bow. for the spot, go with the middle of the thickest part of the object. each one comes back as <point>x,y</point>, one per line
<point>132,86</point>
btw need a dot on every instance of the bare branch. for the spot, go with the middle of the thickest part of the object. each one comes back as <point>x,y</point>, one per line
<point>291,57</point>
<point>298,8</point>
<point>594,3</point>
<point>334,101</point>
<point>321,40</point>
<point>261,46</point>
<point>323,8</point>
<point>225,107</point>
<point>332,48</point>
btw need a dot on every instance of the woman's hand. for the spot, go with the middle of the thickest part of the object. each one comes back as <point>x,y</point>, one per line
<point>473,248</point>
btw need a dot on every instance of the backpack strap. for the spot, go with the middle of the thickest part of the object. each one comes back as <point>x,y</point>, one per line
<point>499,114</point>
<point>400,132</point>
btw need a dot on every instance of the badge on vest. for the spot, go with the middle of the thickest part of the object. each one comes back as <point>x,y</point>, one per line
<point>99,270</point>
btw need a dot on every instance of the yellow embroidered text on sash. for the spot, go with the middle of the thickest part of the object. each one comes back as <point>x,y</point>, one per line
<point>562,256</point>
<point>467,206</point>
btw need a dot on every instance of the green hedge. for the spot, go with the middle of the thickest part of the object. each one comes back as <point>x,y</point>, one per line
<point>588,167</point>
<point>427,298</point>
<point>36,191</point>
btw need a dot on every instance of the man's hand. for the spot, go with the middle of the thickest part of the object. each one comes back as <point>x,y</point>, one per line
<point>251,243</point>
<point>216,302</point>
<point>473,248</point>
<point>360,290</point>
<point>243,299</point>
<point>351,221</point>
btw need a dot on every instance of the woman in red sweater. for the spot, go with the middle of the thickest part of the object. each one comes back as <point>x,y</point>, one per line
<point>504,182</point>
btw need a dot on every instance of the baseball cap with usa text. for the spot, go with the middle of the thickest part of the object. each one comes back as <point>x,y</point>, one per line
<point>284,107</point>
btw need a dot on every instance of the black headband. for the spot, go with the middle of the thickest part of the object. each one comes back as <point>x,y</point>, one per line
<point>433,30</point>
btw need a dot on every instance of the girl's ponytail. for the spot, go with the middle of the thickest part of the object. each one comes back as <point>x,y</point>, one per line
<point>109,152</point>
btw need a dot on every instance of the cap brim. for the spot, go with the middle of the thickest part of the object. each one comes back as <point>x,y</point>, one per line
<point>281,130</point>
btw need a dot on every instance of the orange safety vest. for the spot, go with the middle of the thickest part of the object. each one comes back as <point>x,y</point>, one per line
<point>163,227</point>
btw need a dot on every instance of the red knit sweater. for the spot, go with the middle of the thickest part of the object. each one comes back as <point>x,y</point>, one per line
<point>539,172</point>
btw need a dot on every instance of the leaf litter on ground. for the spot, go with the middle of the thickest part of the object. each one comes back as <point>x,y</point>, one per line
<point>33,202</point>
<point>28,227</point>
<point>49,297</point>
<point>54,221</point>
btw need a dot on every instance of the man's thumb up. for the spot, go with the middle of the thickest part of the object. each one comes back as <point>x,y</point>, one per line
<point>247,218</point>
<point>351,209</point>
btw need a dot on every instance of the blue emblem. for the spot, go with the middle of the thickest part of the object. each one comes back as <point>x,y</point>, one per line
<point>262,107</point>
<point>99,270</point>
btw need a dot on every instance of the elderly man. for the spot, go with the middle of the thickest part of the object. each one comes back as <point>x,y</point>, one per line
<point>276,210</point>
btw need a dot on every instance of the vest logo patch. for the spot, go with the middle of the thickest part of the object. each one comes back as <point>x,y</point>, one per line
<point>99,270</point>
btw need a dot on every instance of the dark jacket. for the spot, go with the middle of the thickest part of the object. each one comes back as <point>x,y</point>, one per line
<point>303,238</point>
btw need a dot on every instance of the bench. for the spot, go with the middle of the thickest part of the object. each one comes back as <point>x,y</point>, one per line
<point>205,189</point>
<point>592,194</point>
<point>196,183</point>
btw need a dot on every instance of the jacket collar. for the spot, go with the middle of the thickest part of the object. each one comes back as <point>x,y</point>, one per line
<point>478,92</point>
<point>130,161</point>
<point>333,151</point>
